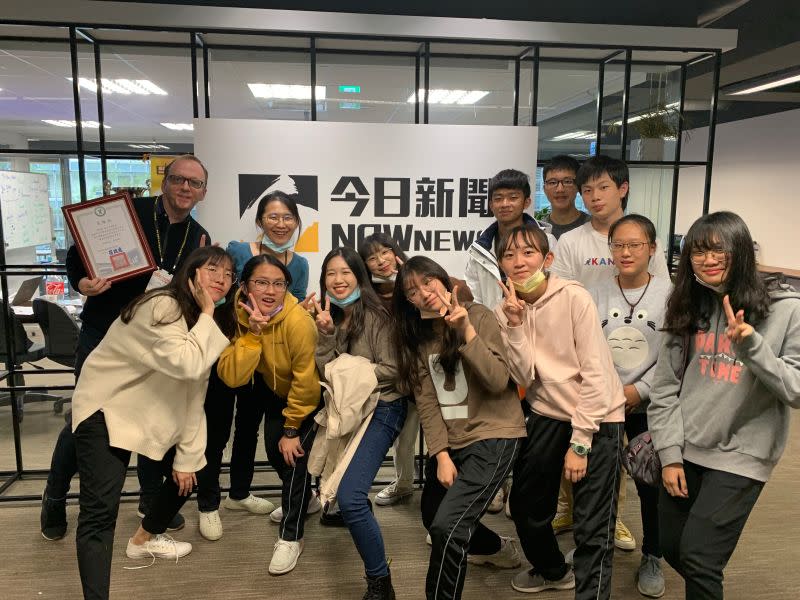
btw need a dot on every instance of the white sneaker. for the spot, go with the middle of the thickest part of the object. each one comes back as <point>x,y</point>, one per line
<point>253,504</point>
<point>428,540</point>
<point>623,538</point>
<point>505,558</point>
<point>210,525</point>
<point>284,556</point>
<point>314,506</point>
<point>392,494</point>
<point>158,546</point>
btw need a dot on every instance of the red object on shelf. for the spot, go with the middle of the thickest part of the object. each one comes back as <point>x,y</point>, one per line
<point>54,288</point>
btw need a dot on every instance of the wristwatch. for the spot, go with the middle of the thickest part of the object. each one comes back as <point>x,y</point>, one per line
<point>580,449</point>
<point>290,432</point>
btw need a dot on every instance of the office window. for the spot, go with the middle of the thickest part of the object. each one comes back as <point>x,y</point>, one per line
<point>653,112</point>
<point>129,173</point>
<point>366,89</point>
<point>261,84</point>
<point>34,88</point>
<point>488,86</point>
<point>143,88</point>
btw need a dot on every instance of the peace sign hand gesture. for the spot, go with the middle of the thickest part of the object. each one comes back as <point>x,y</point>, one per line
<point>737,329</point>
<point>456,316</point>
<point>512,306</point>
<point>324,319</point>
<point>257,320</point>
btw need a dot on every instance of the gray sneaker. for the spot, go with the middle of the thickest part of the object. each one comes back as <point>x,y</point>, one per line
<point>530,582</point>
<point>649,578</point>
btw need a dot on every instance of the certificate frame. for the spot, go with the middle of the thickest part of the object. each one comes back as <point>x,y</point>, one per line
<point>109,237</point>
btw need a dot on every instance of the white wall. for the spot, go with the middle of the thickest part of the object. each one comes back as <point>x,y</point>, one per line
<point>756,166</point>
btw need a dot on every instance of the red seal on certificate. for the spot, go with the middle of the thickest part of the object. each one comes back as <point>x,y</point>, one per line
<point>119,261</point>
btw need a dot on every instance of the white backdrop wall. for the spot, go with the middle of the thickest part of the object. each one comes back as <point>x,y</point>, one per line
<point>423,184</point>
<point>756,163</point>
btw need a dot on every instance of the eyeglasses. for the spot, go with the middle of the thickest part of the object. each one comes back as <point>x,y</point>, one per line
<point>698,257</point>
<point>552,184</point>
<point>632,246</point>
<point>261,285</point>
<point>427,286</point>
<point>274,219</point>
<point>384,255</point>
<point>197,184</point>
<point>227,274</point>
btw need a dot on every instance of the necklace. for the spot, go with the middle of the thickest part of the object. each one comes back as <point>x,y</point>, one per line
<point>624,297</point>
<point>158,239</point>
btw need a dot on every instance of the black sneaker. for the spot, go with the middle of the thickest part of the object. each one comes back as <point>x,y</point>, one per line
<point>176,524</point>
<point>53,518</point>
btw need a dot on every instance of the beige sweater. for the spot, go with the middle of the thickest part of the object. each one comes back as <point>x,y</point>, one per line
<point>150,382</point>
<point>481,402</point>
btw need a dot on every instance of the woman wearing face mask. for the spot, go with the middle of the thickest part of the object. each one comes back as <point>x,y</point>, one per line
<point>727,376</point>
<point>274,347</point>
<point>574,412</point>
<point>142,390</point>
<point>631,306</point>
<point>452,357</point>
<point>278,219</point>
<point>350,319</point>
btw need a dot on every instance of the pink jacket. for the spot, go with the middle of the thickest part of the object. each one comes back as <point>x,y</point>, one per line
<point>560,356</point>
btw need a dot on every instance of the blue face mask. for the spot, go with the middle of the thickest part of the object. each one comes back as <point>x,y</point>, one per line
<point>275,247</point>
<point>354,295</point>
<point>220,302</point>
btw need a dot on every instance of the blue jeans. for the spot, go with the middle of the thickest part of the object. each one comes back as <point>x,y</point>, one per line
<point>383,429</point>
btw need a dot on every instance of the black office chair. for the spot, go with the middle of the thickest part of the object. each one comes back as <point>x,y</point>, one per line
<point>60,337</point>
<point>25,351</point>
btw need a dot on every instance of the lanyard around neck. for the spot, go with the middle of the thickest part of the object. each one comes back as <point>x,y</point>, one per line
<point>158,239</point>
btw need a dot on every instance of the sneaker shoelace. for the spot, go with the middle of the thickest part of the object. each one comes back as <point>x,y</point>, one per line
<point>159,537</point>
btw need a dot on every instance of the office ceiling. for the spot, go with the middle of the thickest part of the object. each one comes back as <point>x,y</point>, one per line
<point>34,84</point>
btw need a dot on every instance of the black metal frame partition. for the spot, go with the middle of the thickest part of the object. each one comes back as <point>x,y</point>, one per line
<point>78,34</point>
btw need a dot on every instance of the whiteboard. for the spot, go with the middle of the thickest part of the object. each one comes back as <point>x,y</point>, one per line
<point>25,206</point>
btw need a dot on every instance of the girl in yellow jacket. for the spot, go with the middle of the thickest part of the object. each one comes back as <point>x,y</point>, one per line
<point>274,347</point>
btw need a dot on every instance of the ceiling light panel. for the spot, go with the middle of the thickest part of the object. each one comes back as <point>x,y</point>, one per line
<point>65,123</point>
<point>450,97</point>
<point>280,91</point>
<point>179,126</point>
<point>126,87</point>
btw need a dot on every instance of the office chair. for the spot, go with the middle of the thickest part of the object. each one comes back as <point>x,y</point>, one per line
<point>60,337</point>
<point>25,350</point>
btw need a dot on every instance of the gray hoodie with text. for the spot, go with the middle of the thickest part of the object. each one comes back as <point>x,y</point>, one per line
<point>732,412</point>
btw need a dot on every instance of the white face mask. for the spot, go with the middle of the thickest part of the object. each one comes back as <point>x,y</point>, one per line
<point>719,289</point>
<point>378,279</point>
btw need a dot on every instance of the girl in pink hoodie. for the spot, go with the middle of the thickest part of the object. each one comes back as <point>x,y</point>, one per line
<point>574,409</point>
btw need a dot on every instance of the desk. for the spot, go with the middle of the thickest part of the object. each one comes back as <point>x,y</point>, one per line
<point>72,306</point>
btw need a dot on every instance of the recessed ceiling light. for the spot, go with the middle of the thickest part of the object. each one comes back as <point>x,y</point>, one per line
<point>575,135</point>
<point>442,96</point>
<point>65,123</point>
<point>142,87</point>
<point>282,91</point>
<point>762,83</point>
<point>179,126</point>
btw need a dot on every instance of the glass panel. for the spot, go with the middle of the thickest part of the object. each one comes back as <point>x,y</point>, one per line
<point>525,91</point>
<point>143,88</point>
<point>35,87</point>
<point>372,89</point>
<point>653,117</point>
<point>471,91</point>
<point>651,195</point>
<point>122,172</point>
<point>697,111</point>
<point>87,91</point>
<point>611,109</point>
<point>281,80</point>
<point>567,110</point>
<point>691,186</point>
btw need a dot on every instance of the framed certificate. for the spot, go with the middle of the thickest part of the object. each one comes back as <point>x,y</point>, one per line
<point>109,237</point>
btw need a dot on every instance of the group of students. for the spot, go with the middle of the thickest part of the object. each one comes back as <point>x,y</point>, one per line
<point>710,368</point>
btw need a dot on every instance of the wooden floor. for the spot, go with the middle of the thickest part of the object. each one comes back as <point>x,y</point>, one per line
<point>764,566</point>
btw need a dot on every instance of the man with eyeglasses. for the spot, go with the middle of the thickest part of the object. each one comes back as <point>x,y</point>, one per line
<point>559,176</point>
<point>172,234</point>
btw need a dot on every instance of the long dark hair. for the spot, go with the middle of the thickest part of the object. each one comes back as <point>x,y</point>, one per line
<point>369,299</point>
<point>178,289</point>
<point>411,331</point>
<point>690,306</point>
<point>645,224</point>
<point>375,243</point>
